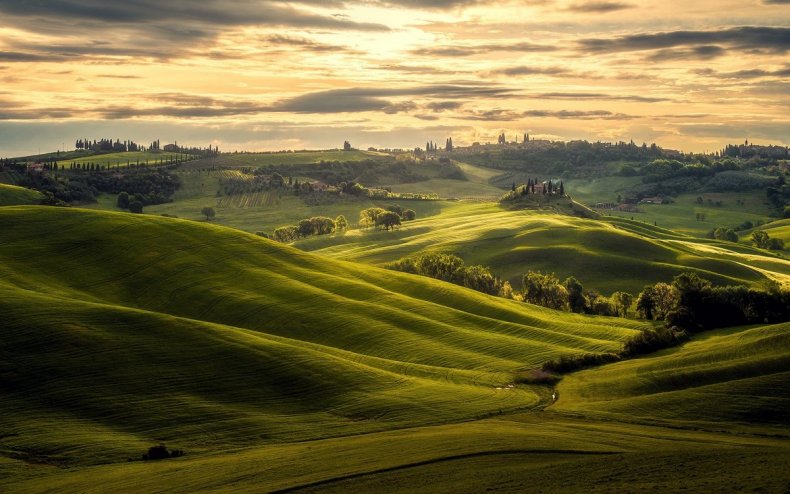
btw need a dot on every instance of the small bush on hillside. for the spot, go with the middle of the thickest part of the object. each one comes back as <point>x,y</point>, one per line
<point>161,452</point>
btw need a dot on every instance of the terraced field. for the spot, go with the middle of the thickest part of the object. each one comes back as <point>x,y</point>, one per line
<point>610,255</point>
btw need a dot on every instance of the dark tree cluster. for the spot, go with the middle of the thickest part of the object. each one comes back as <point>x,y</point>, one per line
<point>148,186</point>
<point>161,452</point>
<point>450,268</point>
<point>60,189</point>
<point>693,304</point>
<point>107,145</point>
<point>317,225</point>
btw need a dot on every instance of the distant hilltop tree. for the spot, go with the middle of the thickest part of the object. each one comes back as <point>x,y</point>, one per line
<point>449,145</point>
<point>346,146</point>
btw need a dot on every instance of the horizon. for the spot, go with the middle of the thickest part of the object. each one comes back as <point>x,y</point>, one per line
<point>267,75</point>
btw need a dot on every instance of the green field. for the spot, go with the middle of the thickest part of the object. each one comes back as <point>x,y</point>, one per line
<point>279,369</point>
<point>741,373</point>
<point>255,160</point>
<point>606,255</point>
<point>11,195</point>
<point>123,159</point>
<point>681,215</point>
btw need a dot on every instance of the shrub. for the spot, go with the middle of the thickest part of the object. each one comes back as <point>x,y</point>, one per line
<point>161,452</point>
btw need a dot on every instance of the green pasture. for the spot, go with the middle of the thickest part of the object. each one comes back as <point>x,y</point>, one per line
<point>611,255</point>
<point>11,195</point>
<point>124,158</point>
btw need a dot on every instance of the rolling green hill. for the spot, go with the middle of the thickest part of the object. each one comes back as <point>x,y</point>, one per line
<point>11,195</point>
<point>733,376</point>
<point>614,254</point>
<point>122,159</point>
<point>278,369</point>
<point>211,337</point>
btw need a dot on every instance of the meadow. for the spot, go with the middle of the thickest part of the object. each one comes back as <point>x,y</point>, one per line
<point>11,195</point>
<point>124,159</point>
<point>609,255</point>
<point>277,369</point>
<point>309,368</point>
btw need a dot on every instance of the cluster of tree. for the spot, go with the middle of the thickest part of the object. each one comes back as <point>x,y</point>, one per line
<point>347,146</point>
<point>450,268</point>
<point>533,187</point>
<point>317,225</point>
<point>161,452</point>
<point>60,189</point>
<point>747,150</point>
<point>448,146</point>
<point>761,239</point>
<point>149,186</point>
<point>430,147</point>
<point>577,158</point>
<point>385,218</point>
<point>107,145</point>
<point>133,203</point>
<point>546,290</point>
<point>693,304</point>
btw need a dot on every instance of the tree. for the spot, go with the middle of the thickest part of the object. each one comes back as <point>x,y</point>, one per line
<point>208,212</point>
<point>285,234</point>
<point>346,146</point>
<point>388,220</point>
<point>760,239</point>
<point>367,217</point>
<point>562,189</point>
<point>666,299</point>
<point>545,290</point>
<point>727,234</point>
<point>305,228</point>
<point>622,302</point>
<point>576,300</point>
<point>409,215</point>
<point>341,223</point>
<point>123,200</point>
<point>136,207</point>
<point>645,302</point>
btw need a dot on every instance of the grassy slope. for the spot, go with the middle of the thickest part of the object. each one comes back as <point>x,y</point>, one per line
<point>522,453</point>
<point>199,189</point>
<point>212,338</point>
<point>121,159</point>
<point>738,375</point>
<point>11,195</point>
<point>96,367</point>
<point>605,255</point>
<point>255,160</point>
<point>681,215</point>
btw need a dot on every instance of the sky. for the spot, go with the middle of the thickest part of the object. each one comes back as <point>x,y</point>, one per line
<point>270,75</point>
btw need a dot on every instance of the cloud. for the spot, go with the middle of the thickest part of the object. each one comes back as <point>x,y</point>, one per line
<point>532,70</point>
<point>600,96</point>
<point>763,39</point>
<point>179,12</point>
<point>579,115</point>
<point>744,74</point>
<point>704,52</point>
<point>599,7</point>
<point>157,30</point>
<point>372,99</point>
<point>469,50</point>
<point>305,44</point>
